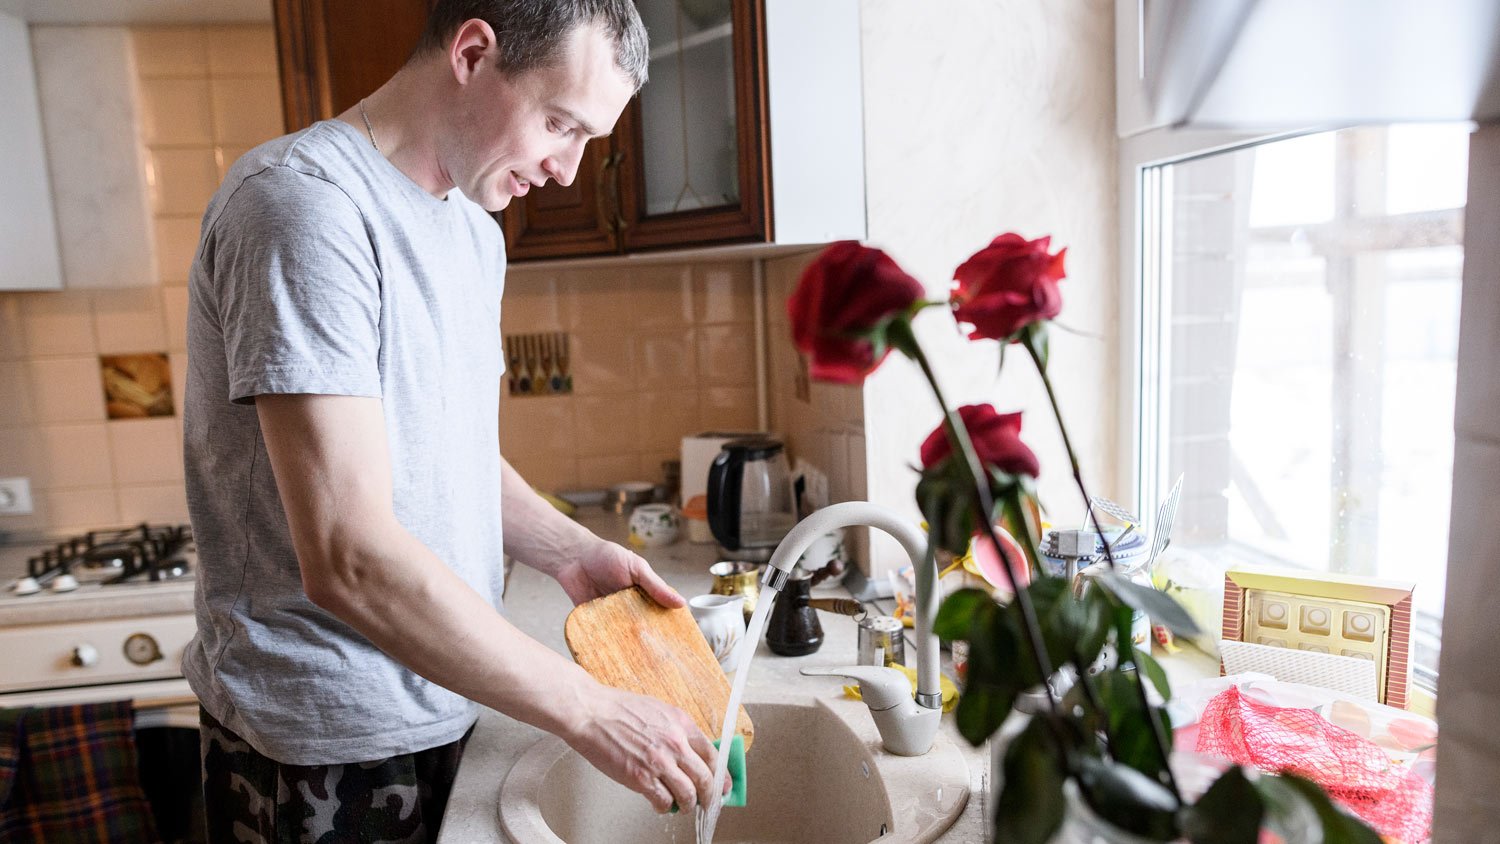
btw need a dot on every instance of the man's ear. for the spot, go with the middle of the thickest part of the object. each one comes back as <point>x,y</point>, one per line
<point>473,46</point>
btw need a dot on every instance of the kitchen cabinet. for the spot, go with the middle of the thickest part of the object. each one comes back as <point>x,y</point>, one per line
<point>28,235</point>
<point>750,129</point>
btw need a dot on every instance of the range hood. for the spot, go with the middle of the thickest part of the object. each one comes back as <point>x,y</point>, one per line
<point>1273,64</point>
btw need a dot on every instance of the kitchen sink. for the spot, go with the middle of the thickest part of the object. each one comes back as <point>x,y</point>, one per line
<point>816,773</point>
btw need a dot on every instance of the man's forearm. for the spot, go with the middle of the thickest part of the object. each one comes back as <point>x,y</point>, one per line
<point>536,534</point>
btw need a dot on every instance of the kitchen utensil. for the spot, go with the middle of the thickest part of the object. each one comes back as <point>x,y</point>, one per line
<point>731,578</point>
<point>750,498</point>
<point>1113,510</point>
<point>794,629</point>
<point>722,623</point>
<point>882,641</point>
<point>653,525</point>
<point>630,642</point>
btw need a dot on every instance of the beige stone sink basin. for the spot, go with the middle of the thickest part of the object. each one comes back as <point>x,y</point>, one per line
<point>817,773</point>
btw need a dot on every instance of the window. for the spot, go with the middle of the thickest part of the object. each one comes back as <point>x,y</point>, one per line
<point>1299,305</point>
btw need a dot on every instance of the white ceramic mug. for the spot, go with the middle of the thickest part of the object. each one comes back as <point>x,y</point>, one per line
<point>722,622</point>
<point>653,525</point>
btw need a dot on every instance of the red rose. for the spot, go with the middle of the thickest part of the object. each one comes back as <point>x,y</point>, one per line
<point>1007,285</point>
<point>848,290</point>
<point>996,437</point>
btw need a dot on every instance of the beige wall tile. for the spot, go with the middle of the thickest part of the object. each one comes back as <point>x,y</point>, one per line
<point>724,293</point>
<point>650,464</point>
<point>170,51</point>
<point>727,408</point>
<point>152,503</point>
<point>603,363</point>
<point>21,455</point>
<point>174,302</point>
<point>179,364</point>
<point>12,327</point>
<point>15,395</point>
<point>40,518</point>
<point>246,111</point>
<point>536,428</point>
<point>664,418</point>
<point>82,509</point>
<point>176,111</point>
<point>58,323</point>
<point>599,298</point>
<point>128,321</point>
<point>662,296</point>
<point>176,244</point>
<point>67,390</point>
<point>242,51</point>
<point>604,425</point>
<point>667,359</point>
<point>75,455</point>
<point>534,303</point>
<point>726,355</point>
<point>602,471</point>
<point>183,180</point>
<point>552,475</point>
<point>145,451</point>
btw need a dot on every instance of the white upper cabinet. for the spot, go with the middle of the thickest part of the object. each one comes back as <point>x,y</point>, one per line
<point>28,233</point>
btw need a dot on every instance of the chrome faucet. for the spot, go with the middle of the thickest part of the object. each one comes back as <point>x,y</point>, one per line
<point>907,726</point>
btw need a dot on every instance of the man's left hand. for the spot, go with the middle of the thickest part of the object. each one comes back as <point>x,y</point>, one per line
<point>605,568</point>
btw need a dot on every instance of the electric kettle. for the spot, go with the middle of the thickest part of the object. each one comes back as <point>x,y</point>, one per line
<point>750,498</point>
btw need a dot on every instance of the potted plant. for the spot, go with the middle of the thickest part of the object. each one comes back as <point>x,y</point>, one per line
<point>1091,763</point>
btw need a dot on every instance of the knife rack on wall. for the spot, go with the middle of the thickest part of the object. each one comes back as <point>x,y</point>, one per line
<point>538,364</point>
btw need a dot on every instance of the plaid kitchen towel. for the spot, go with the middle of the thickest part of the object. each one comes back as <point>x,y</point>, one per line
<point>69,774</point>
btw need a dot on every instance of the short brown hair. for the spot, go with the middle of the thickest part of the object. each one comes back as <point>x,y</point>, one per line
<point>533,33</point>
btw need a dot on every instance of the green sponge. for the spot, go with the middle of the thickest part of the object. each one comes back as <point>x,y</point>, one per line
<point>736,795</point>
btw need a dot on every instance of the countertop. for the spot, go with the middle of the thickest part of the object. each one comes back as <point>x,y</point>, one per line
<point>537,605</point>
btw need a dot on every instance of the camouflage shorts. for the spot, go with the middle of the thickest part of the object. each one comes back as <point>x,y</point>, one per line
<point>256,800</point>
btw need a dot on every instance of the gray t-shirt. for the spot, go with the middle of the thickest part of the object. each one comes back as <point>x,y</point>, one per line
<point>323,269</point>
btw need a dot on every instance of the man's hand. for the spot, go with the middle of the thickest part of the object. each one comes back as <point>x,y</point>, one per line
<point>603,568</point>
<point>648,746</point>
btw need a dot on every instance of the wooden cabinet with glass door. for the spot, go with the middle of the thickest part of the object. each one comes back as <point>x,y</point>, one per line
<point>686,164</point>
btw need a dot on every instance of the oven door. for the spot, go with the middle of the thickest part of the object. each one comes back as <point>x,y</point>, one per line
<point>167,750</point>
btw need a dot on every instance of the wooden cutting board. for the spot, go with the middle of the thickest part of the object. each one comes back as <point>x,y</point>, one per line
<point>628,641</point>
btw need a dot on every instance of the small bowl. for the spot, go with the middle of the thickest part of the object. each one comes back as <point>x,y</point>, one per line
<point>653,525</point>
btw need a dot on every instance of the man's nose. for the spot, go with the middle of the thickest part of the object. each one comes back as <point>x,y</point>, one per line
<point>562,168</point>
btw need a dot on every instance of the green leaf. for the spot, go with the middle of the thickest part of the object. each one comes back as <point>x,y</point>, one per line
<point>1129,799</point>
<point>1034,336</point>
<point>956,614</point>
<point>1161,607</point>
<point>1031,804</point>
<point>1131,739</point>
<point>1153,672</point>
<point>1016,513</point>
<point>981,711</point>
<point>1339,827</point>
<point>1230,812</point>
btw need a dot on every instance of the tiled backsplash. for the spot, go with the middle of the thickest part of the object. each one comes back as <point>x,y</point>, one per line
<point>207,95</point>
<point>658,351</point>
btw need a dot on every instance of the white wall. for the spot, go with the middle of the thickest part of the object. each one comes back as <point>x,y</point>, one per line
<point>28,233</point>
<point>1469,693</point>
<point>996,115</point>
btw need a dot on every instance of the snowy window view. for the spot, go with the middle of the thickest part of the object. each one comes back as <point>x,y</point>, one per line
<point>1308,299</point>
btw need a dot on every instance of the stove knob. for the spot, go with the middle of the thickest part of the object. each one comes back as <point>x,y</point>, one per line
<point>141,649</point>
<point>27,586</point>
<point>65,583</point>
<point>85,656</point>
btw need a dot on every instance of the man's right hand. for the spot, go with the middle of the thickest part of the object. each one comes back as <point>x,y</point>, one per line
<point>648,746</point>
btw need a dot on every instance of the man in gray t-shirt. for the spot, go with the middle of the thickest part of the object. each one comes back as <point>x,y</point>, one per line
<point>343,470</point>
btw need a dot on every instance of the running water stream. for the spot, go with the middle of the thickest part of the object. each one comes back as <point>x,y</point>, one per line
<point>708,816</point>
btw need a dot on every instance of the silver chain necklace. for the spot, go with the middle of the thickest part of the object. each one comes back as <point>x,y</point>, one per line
<point>368,129</point>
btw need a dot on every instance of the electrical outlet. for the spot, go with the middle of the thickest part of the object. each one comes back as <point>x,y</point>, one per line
<point>15,496</point>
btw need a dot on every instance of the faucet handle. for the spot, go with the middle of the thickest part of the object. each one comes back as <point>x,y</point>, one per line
<point>881,688</point>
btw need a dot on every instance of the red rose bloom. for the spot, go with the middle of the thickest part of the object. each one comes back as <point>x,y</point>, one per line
<point>1006,286</point>
<point>846,291</point>
<point>997,441</point>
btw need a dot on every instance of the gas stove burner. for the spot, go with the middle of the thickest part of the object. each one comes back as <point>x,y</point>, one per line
<point>144,552</point>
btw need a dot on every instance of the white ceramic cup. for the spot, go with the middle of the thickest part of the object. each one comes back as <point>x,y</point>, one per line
<point>722,622</point>
<point>653,525</point>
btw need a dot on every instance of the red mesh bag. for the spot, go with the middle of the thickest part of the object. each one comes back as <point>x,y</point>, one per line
<point>1352,769</point>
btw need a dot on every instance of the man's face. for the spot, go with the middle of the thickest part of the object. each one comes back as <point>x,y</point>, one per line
<point>513,133</point>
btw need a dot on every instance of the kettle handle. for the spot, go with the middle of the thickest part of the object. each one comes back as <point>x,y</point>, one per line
<point>725,475</point>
